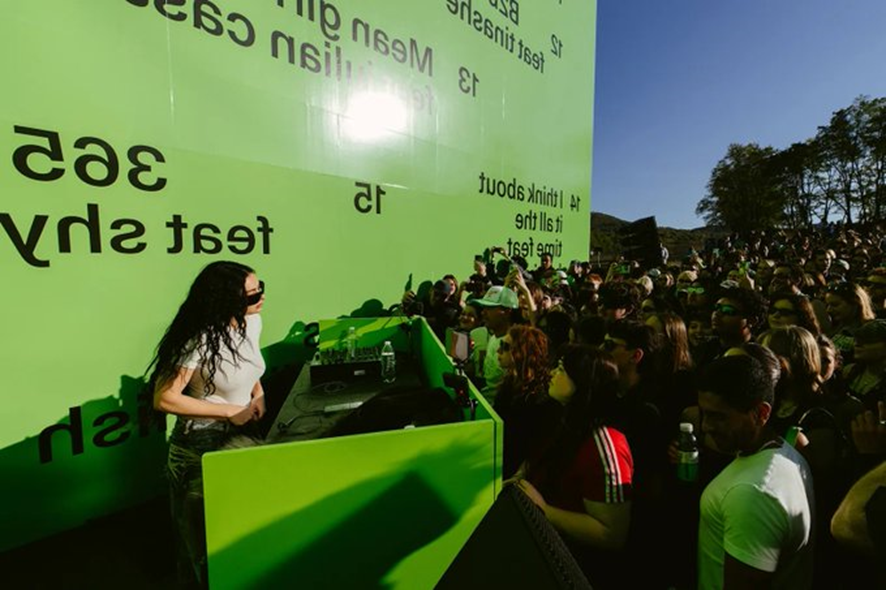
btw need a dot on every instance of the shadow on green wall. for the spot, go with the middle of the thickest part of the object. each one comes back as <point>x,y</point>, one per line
<point>373,308</point>
<point>396,515</point>
<point>107,454</point>
<point>103,456</point>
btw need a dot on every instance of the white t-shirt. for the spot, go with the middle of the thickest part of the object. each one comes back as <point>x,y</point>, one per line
<point>480,338</point>
<point>759,510</point>
<point>234,378</point>
<point>492,371</point>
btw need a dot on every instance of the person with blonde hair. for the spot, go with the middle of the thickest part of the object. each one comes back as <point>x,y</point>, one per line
<point>849,306</point>
<point>875,285</point>
<point>817,425</point>
<point>799,388</point>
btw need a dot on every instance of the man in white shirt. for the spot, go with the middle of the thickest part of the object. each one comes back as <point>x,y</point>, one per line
<point>757,514</point>
<point>498,305</point>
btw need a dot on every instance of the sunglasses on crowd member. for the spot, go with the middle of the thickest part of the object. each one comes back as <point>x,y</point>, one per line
<point>692,290</point>
<point>610,344</point>
<point>504,346</point>
<point>726,309</point>
<point>782,311</point>
<point>253,298</point>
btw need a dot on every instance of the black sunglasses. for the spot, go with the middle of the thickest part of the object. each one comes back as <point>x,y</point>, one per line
<point>611,344</point>
<point>504,346</point>
<point>254,298</point>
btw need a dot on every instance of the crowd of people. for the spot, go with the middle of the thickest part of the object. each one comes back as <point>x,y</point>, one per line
<point>772,345</point>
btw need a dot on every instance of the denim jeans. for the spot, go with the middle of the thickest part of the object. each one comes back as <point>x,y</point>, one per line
<point>185,473</point>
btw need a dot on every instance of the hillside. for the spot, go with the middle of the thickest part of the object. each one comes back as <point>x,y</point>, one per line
<point>604,235</point>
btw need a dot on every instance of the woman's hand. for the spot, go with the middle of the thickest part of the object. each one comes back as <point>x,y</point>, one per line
<point>520,474</point>
<point>746,282</point>
<point>869,431</point>
<point>612,272</point>
<point>257,405</point>
<point>674,453</point>
<point>532,493</point>
<point>241,415</point>
<point>516,281</point>
<point>258,401</point>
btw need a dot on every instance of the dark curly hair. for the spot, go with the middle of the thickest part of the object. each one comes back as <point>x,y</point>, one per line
<point>753,306</point>
<point>203,323</point>
<point>620,295</point>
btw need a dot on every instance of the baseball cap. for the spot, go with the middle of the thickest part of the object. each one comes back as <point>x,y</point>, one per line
<point>498,296</point>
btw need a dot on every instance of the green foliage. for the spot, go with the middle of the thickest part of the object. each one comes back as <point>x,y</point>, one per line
<point>839,172</point>
<point>743,193</point>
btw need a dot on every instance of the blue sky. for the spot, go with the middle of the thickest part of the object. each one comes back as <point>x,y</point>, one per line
<point>677,81</point>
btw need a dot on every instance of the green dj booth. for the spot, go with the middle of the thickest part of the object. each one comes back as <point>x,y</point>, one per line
<point>380,509</point>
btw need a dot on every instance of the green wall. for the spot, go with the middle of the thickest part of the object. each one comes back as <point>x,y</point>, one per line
<point>139,143</point>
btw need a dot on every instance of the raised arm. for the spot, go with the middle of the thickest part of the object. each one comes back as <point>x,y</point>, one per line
<point>850,523</point>
<point>516,282</point>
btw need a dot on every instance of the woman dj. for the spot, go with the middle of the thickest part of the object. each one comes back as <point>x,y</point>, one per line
<point>207,372</point>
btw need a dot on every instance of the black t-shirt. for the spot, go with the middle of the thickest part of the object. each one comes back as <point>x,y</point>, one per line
<point>442,316</point>
<point>531,420</point>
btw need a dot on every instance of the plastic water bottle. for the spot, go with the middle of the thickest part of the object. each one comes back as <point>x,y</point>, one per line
<point>388,363</point>
<point>351,343</point>
<point>687,446</point>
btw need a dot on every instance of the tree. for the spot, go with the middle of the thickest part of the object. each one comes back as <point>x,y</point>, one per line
<point>842,170</point>
<point>843,156</point>
<point>793,170</point>
<point>872,134</point>
<point>745,191</point>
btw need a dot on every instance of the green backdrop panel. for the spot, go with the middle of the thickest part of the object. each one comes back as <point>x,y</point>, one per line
<point>335,146</point>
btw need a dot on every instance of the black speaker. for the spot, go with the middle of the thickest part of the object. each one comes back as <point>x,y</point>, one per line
<point>514,546</point>
<point>640,241</point>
